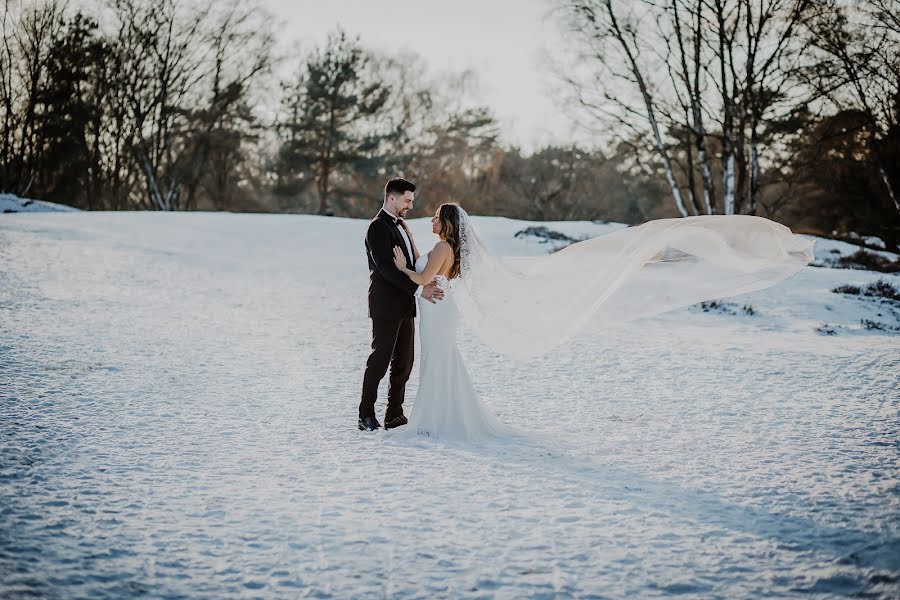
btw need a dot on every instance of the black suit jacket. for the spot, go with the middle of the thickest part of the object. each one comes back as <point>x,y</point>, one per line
<point>391,292</point>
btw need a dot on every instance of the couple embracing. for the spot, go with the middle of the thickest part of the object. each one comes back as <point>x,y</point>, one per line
<point>446,403</point>
<point>528,310</point>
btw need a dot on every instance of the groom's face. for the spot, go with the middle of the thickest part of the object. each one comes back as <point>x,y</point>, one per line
<point>403,203</point>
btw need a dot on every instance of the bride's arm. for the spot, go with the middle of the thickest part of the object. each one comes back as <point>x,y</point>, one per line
<point>436,260</point>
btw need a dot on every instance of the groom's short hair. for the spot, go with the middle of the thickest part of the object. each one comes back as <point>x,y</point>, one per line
<point>398,186</point>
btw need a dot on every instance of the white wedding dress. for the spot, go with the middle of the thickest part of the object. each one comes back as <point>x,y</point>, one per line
<point>447,406</point>
<point>524,310</point>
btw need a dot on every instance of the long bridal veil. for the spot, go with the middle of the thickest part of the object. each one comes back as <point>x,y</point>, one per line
<point>526,309</point>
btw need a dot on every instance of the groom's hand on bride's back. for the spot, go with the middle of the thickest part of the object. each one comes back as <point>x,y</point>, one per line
<point>432,293</point>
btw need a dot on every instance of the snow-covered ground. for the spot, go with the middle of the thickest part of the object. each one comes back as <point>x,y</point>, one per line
<point>10,203</point>
<point>179,396</point>
<point>829,251</point>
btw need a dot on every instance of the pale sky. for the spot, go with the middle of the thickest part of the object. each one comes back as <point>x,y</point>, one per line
<point>504,41</point>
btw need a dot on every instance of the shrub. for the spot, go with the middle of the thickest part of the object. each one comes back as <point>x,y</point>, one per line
<point>877,326</point>
<point>879,289</point>
<point>545,233</point>
<point>868,261</point>
<point>882,289</point>
<point>728,308</point>
<point>847,289</point>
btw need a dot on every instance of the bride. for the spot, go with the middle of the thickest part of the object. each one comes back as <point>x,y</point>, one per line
<point>447,405</point>
<point>530,308</point>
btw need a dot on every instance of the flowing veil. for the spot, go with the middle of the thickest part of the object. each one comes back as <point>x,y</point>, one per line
<point>525,309</point>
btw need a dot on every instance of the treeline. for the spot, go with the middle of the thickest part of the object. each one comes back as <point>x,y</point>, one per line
<point>169,105</point>
<point>153,110</point>
<point>784,108</point>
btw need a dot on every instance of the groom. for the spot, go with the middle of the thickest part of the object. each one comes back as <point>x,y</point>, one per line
<point>392,306</point>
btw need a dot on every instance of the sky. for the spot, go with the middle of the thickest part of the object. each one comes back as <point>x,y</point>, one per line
<point>506,43</point>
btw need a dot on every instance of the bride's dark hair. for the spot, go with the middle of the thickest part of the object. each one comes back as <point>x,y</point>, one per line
<point>448,215</point>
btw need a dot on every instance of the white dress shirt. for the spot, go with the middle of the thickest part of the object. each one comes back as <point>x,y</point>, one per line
<point>408,242</point>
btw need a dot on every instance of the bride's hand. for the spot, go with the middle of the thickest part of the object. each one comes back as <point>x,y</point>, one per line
<point>399,259</point>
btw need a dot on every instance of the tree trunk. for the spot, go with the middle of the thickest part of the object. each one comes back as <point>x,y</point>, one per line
<point>323,189</point>
<point>153,191</point>
<point>728,200</point>
<point>699,126</point>
<point>887,184</point>
<point>754,167</point>
<point>651,113</point>
<point>728,110</point>
<point>695,114</point>
<point>692,184</point>
<point>708,190</point>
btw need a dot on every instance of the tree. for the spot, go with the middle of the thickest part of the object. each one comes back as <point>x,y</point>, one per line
<point>162,58</point>
<point>554,183</point>
<point>843,192</point>
<point>214,146</point>
<point>611,41</point>
<point>185,69</point>
<point>28,37</point>
<point>70,128</point>
<point>678,75</point>
<point>858,70</point>
<point>329,127</point>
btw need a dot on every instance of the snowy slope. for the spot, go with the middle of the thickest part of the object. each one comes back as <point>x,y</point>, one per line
<point>179,396</point>
<point>10,203</point>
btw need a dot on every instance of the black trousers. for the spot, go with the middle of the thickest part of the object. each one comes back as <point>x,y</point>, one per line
<point>392,345</point>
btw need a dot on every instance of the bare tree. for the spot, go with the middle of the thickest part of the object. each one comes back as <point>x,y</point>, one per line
<point>162,55</point>
<point>554,183</point>
<point>774,51</point>
<point>860,68</point>
<point>185,71</point>
<point>690,42</point>
<point>667,70</point>
<point>612,39</point>
<point>241,52</point>
<point>28,34</point>
<point>8,98</point>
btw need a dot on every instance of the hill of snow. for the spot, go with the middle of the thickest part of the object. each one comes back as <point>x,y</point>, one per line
<point>179,397</point>
<point>10,203</point>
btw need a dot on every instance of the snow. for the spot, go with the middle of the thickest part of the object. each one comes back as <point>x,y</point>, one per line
<point>868,240</point>
<point>179,396</point>
<point>10,203</point>
<point>828,250</point>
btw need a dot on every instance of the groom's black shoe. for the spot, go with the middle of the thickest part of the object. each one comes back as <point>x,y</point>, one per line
<point>395,421</point>
<point>369,424</point>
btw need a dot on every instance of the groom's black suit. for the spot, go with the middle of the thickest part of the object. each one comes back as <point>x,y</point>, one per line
<point>392,308</point>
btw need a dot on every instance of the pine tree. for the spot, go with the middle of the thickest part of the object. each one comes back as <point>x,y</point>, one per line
<point>329,126</point>
<point>70,160</point>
